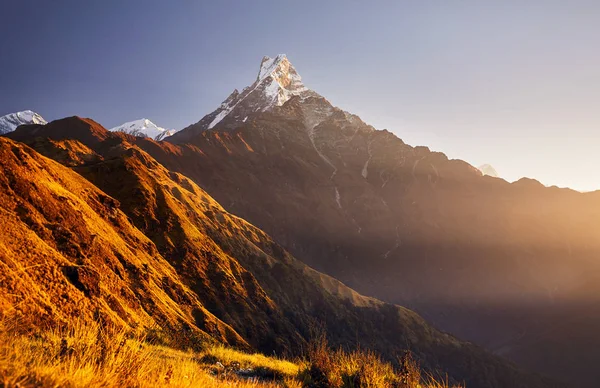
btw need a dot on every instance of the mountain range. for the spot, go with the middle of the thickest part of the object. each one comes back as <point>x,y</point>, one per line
<point>510,266</point>
<point>279,211</point>
<point>158,250</point>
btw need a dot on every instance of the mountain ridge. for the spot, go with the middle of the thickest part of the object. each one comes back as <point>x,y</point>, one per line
<point>395,222</point>
<point>402,223</point>
<point>167,207</point>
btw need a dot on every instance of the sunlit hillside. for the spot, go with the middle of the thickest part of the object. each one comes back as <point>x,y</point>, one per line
<point>88,355</point>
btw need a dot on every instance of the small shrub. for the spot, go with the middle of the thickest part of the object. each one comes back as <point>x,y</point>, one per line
<point>326,368</point>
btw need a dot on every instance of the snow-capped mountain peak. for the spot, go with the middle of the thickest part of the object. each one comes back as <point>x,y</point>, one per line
<point>144,128</point>
<point>268,65</point>
<point>277,81</point>
<point>285,81</point>
<point>487,169</point>
<point>10,122</point>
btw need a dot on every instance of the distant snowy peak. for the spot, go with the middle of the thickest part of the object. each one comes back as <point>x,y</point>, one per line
<point>11,121</point>
<point>487,169</point>
<point>276,83</point>
<point>284,81</point>
<point>277,90</point>
<point>144,128</point>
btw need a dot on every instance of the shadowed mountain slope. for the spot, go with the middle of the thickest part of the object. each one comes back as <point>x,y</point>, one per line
<point>487,260</point>
<point>247,280</point>
<point>484,259</point>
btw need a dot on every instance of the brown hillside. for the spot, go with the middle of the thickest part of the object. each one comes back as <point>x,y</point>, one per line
<point>68,251</point>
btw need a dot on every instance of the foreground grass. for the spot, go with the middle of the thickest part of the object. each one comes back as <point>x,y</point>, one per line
<point>327,368</point>
<point>88,356</point>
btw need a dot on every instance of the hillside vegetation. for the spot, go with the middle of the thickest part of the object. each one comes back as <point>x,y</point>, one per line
<point>88,355</point>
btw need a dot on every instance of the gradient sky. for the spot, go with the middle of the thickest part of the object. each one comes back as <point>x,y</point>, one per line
<point>512,83</point>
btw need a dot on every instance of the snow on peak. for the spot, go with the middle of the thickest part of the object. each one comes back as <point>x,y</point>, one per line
<point>10,122</point>
<point>268,65</point>
<point>285,81</point>
<point>276,83</point>
<point>487,169</point>
<point>144,128</point>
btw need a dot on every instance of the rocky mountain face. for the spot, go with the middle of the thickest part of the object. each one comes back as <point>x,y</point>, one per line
<point>131,241</point>
<point>10,122</point>
<point>144,128</point>
<point>500,264</point>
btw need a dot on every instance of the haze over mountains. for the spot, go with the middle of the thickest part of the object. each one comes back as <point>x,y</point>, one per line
<point>218,227</point>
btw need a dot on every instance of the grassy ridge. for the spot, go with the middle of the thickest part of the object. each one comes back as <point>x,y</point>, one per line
<point>87,355</point>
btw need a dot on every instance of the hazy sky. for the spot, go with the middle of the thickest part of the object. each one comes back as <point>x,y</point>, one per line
<point>512,83</point>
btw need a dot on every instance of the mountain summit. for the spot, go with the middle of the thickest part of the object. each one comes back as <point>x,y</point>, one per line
<point>10,122</point>
<point>282,81</point>
<point>144,128</point>
<point>277,81</point>
<point>487,169</point>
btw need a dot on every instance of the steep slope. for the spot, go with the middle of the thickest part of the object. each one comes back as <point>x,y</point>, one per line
<point>481,258</point>
<point>10,122</point>
<point>144,128</point>
<point>66,250</point>
<point>248,281</point>
<point>182,219</point>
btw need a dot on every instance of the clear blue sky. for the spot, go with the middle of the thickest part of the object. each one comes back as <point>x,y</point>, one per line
<point>512,83</point>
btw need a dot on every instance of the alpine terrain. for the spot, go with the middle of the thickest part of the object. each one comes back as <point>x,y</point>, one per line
<point>106,233</point>
<point>510,266</point>
<point>282,224</point>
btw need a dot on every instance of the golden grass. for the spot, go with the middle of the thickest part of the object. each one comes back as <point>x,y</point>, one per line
<point>228,356</point>
<point>361,369</point>
<point>86,355</point>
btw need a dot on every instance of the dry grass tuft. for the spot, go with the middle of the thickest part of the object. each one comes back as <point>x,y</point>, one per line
<point>328,368</point>
<point>88,355</point>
